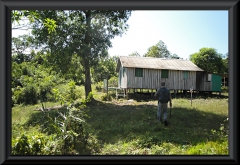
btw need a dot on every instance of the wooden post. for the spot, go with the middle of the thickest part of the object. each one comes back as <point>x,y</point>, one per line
<point>191,98</point>
<point>191,90</point>
<point>224,80</point>
<point>107,86</point>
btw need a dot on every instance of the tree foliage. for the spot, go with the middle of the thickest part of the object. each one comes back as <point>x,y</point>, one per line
<point>105,70</point>
<point>209,60</point>
<point>175,56</point>
<point>32,82</point>
<point>85,33</point>
<point>225,63</point>
<point>20,46</point>
<point>159,50</point>
<point>135,54</point>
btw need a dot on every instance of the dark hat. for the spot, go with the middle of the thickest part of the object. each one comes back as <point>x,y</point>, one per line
<point>162,83</point>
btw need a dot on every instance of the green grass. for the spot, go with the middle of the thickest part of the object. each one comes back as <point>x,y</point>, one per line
<point>22,114</point>
<point>129,127</point>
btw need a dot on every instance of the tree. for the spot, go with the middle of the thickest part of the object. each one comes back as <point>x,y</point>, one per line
<point>75,72</point>
<point>24,18</point>
<point>209,60</point>
<point>159,50</point>
<point>175,56</point>
<point>225,63</point>
<point>135,54</point>
<point>85,33</point>
<point>105,69</point>
<point>20,48</point>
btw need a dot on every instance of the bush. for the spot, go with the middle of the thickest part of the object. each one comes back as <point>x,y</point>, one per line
<point>31,82</point>
<point>26,95</point>
<point>67,93</point>
<point>224,89</point>
<point>32,144</point>
<point>66,135</point>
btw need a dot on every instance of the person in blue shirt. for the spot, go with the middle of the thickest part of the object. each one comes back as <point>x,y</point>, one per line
<point>164,97</point>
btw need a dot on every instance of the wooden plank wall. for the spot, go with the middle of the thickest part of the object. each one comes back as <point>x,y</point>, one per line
<point>119,79</point>
<point>203,84</point>
<point>152,79</point>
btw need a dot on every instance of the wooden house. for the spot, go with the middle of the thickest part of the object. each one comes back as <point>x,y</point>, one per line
<point>148,73</point>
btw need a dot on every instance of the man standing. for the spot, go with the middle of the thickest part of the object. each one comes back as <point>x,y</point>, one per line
<point>164,98</point>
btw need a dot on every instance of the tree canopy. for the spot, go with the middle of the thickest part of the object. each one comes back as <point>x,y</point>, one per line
<point>159,50</point>
<point>85,33</point>
<point>105,69</point>
<point>175,56</point>
<point>225,63</point>
<point>209,60</point>
<point>135,54</point>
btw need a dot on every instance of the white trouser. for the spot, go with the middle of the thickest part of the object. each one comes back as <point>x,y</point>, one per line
<point>162,109</point>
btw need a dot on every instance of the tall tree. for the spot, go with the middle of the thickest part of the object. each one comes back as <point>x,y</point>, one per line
<point>85,33</point>
<point>134,54</point>
<point>159,50</point>
<point>209,60</point>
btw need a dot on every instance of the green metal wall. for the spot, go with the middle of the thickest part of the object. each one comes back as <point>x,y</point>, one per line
<point>216,83</point>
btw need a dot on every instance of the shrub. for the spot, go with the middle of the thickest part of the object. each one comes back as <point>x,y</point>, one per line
<point>26,95</point>
<point>32,144</point>
<point>224,89</point>
<point>21,146</point>
<point>66,135</point>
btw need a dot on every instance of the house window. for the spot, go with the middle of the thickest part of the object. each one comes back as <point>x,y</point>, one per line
<point>209,77</point>
<point>164,74</point>
<point>185,74</point>
<point>138,72</point>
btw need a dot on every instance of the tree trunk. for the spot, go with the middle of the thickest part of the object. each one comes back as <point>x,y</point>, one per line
<point>88,87</point>
<point>87,54</point>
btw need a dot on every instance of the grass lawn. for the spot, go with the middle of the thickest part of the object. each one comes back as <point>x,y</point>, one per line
<point>129,126</point>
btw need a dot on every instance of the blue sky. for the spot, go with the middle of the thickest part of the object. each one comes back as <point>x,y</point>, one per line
<point>183,32</point>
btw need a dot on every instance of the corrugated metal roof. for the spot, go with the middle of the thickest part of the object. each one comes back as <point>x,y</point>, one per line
<point>156,63</point>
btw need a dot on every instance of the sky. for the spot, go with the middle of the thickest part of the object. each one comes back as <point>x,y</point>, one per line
<point>184,32</point>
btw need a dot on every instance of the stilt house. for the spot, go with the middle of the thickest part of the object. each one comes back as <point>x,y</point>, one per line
<point>178,74</point>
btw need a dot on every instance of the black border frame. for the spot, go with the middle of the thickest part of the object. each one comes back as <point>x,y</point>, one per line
<point>5,71</point>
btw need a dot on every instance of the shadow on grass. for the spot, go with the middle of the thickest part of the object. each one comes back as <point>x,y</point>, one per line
<point>126,121</point>
<point>114,123</point>
<point>45,120</point>
<point>143,97</point>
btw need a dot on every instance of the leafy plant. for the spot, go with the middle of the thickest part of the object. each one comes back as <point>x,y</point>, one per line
<point>32,144</point>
